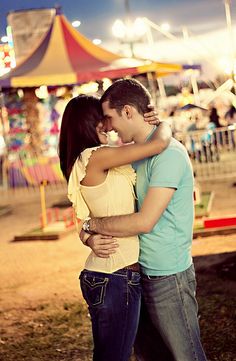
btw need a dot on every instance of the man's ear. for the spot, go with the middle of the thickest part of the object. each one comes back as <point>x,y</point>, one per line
<point>128,111</point>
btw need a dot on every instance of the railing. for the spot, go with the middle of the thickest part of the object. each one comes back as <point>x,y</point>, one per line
<point>213,155</point>
<point>213,152</point>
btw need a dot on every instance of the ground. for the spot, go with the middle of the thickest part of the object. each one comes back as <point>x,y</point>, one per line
<point>42,314</point>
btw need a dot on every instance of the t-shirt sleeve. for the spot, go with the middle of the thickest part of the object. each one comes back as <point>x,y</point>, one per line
<point>167,169</point>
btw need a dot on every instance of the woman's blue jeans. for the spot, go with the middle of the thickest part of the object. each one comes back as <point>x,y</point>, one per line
<point>114,306</point>
<point>168,328</point>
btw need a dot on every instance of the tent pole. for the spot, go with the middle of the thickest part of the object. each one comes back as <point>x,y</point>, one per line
<point>5,155</point>
<point>151,83</point>
<point>2,105</point>
<point>195,89</point>
<point>161,87</point>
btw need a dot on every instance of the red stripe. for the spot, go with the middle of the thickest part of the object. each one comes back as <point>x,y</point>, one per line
<point>112,74</point>
<point>80,59</point>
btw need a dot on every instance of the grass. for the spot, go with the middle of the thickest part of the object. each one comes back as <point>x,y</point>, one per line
<point>201,208</point>
<point>218,327</point>
<point>61,335</point>
<point>52,332</point>
<point>217,317</point>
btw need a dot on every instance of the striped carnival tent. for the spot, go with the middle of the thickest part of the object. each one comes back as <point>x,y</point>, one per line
<point>65,56</point>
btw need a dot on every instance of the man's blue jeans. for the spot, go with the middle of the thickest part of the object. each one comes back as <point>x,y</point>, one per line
<point>114,305</point>
<point>169,328</point>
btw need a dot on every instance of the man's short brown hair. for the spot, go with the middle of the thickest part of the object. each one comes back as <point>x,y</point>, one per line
<point>127,92</point>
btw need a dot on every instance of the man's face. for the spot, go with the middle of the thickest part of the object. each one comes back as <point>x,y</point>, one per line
<point>118,123</point>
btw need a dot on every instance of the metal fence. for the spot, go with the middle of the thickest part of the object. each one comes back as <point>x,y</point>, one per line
<point>213,152</point>
<point>213,155</point>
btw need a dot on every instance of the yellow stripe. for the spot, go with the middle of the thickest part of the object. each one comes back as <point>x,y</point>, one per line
<point>94,50</point>
<point>55,67</point>
<point>162,74</point>
<point>160,67</point>
<point>55,79</point>
<point>168,67</point>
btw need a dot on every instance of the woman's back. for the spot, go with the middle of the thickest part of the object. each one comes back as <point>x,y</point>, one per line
<point>114,196</point>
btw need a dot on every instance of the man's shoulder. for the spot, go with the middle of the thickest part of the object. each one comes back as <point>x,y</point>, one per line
<point>175,145</point>
<point>174,149</point>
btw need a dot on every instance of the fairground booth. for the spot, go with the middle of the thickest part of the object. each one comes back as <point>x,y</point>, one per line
<point>34,95</point>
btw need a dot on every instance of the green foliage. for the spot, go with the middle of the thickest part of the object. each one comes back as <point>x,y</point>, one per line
<point>201,208</point>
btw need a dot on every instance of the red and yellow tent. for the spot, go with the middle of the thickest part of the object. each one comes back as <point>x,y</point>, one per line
<point>65,56</point>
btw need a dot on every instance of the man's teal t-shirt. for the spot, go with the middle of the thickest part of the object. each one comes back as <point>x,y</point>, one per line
<point>167,248</point>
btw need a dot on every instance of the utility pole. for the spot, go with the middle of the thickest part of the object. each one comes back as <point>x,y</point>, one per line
<point>231,36</point>
<point>128,27</point>
<point>152,78</point>
<point>192,75</point>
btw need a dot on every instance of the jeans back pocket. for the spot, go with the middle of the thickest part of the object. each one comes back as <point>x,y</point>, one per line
<point>93,288</point>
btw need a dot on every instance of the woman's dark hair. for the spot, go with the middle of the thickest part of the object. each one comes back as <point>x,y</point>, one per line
<point>78,130</point>
<point>127,92</point>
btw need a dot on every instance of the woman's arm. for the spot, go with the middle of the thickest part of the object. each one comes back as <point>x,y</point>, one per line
<point>110,157</point>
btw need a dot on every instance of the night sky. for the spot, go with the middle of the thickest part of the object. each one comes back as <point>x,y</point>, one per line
<point>97,16</point>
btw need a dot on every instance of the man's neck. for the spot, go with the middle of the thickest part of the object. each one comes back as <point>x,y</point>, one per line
<point>142,133</point>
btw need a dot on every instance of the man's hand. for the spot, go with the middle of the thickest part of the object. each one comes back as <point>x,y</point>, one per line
<point>151,117</point>
<point>102,246</point>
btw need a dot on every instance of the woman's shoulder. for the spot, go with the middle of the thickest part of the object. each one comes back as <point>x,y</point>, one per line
<point>125,170</point>
<point>88,152</point>
<point>82,161</point>
<point>81,164</point>
<point>85,156</point>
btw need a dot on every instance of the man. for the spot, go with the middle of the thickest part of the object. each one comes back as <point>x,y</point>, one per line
<point>164,222</point>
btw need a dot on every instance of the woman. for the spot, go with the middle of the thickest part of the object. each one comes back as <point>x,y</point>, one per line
<point>100,183</point>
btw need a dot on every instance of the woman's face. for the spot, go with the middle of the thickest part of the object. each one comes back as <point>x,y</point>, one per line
<point>101,132</point>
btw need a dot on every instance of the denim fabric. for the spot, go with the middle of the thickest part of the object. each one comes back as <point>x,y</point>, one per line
<point>114,305</point>
<point>171,310</point>
<point>149,345</point>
